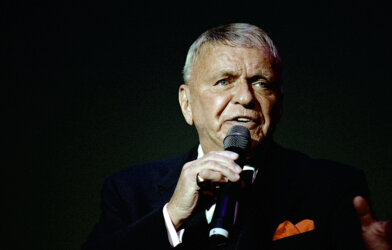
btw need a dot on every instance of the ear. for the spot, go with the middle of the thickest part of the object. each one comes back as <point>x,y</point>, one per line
<point>184,99</point>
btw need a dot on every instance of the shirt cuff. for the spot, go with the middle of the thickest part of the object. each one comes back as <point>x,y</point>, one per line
<point>175,237</point>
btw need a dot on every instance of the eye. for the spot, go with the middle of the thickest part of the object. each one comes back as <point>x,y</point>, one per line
<point>263,85</point>
<point>222,82</point>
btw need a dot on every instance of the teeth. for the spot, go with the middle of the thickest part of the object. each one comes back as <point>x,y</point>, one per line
<point>243,119</point>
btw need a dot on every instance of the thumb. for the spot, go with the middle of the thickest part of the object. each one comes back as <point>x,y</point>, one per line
<point>363,211</point>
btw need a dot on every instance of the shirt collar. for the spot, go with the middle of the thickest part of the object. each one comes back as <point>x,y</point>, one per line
<point>200,152</point>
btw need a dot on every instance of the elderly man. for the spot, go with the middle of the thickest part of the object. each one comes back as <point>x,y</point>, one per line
<point>232,77</point>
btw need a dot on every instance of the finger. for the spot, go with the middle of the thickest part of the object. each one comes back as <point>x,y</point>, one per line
<point>363,211</point>
<point>223,159</point>
<point>218,174</point>
<point>221,156</point>
<point>213,176</point>
<point>216,162</point>
<point>225,153</point>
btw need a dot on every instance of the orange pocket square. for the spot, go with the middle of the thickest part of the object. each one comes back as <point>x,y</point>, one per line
<point>286,229</point>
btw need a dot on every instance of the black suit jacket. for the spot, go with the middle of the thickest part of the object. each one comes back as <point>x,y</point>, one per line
<point>289,186</point>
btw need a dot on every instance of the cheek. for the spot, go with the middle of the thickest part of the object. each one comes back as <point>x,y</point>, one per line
<point>215,104</point>
<point>209,107</point>
<point>269,108</point>
<point>219,104</point>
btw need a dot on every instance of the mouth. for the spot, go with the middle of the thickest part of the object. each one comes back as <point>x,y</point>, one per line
<point>241,119</point>
<point>245,121</point>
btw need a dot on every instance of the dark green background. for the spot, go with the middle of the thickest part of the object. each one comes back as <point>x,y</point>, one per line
<point>92,88</point>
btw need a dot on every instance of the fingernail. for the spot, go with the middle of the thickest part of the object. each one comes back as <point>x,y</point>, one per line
<point>232,154</point>
<point>238,168</point>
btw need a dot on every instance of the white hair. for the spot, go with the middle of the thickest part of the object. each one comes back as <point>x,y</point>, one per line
<point>235,35</point>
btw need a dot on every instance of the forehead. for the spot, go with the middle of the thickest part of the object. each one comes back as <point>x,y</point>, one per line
<point>214,59</point>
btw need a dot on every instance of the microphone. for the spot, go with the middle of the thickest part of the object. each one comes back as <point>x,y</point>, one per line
<point>237,140</point>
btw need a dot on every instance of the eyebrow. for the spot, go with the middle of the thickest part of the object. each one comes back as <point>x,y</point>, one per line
<point>229,73</point>
<point>258,77</point>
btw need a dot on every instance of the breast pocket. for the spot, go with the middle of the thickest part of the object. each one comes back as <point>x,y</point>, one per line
<point>303,241</point>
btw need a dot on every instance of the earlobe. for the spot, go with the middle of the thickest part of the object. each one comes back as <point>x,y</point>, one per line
<point>184,99</point>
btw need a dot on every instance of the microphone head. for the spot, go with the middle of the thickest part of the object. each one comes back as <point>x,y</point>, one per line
<point>237,139</point>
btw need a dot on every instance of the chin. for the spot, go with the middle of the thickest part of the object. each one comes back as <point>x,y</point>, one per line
<point>256,142</point>
<point>259,139</point>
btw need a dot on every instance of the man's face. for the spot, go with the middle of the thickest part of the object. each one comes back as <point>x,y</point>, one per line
<point>231,86</point>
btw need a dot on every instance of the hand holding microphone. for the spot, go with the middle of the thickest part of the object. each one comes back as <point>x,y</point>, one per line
<point>215,167</point>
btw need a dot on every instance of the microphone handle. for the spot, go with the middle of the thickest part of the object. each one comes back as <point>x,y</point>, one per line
<point>225,212</point>
<point>226,209</point>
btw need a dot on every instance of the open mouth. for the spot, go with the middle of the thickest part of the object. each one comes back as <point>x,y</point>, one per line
<point>241,119</point>
<point>245,120</point>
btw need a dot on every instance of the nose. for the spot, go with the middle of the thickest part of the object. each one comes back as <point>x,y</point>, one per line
<point>244,95</point>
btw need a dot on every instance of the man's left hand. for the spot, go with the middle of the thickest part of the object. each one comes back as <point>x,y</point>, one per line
<point>377,235</point>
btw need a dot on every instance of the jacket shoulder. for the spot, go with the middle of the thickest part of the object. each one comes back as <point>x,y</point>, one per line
<point>306,164</point>
<point>144,175</point>
<point>151,170</point>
